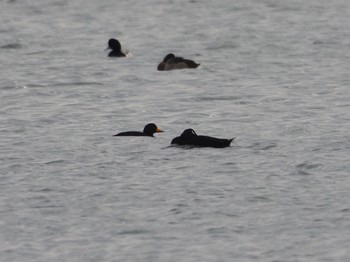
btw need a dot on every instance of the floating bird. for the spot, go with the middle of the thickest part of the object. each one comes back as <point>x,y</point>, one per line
<point>173,62</point>
<point>116,47</point>
<point>149,130</point>
<point>189,137</point>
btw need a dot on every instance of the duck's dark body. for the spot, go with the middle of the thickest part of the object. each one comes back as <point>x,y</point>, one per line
<point>171,62</point>
<point>190,138</point>
<point>149,130</point>
<point>132,133</point>
<point>114,53</point>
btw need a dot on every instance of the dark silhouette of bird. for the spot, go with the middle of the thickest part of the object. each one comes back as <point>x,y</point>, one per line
<point>171,62</point>
<point>149,130</point>
<point>190,138</point>
<point>116,47</point>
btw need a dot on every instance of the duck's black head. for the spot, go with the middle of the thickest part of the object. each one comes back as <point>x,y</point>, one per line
<point>168,56</point>
<point>114,44</point>
<point>150,129</point>
<point>188,133</point>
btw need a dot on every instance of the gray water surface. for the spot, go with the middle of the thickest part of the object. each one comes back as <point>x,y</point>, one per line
<point>273,74</point>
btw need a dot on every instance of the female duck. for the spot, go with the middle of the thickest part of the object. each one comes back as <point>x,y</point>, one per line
<point>171,62</point>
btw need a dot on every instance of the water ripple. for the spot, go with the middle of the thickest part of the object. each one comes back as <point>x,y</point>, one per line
<point>134,232</point>
<point>12,46</point>
<point>305,168</point>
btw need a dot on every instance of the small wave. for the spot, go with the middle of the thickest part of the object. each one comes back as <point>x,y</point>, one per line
<point>7,87</point>
<point>45,189</point>
<point>220,46</point>
<point>308,166</point>
<point>176,211</point>
<point>182,146</point>
<point>305,167</point>
<point>217,230</point>
<point>133,232</point>
<point>54,162</point>
<point>256,199</point>
<point>218,98</point>
<point>12,46</point>
<point>79,84</point>
<point>36,53</point>
<point>46,206</point>
<point>263,146</point>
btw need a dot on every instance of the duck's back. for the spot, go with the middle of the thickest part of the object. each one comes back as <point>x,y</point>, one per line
<point>176,63</point>
<point>180,63</point>
<point>202,141</point>
<point>208,141</point>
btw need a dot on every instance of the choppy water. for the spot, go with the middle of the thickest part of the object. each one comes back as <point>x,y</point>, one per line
<point>273,74</point>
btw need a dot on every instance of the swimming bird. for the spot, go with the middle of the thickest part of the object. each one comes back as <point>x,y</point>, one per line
<point>149,130</point>
<point>116,47</point>
<point>171,61</point>
<point>189,137</point>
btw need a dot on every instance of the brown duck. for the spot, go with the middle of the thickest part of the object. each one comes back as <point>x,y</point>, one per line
<point>171,62</point>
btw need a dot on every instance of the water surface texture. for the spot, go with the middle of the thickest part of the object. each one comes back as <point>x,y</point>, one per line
<point>273,74</point>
